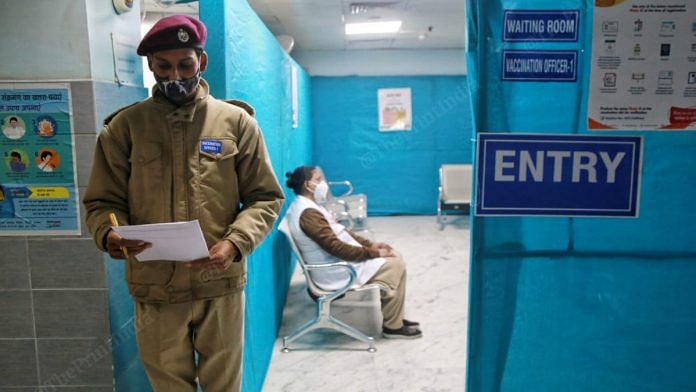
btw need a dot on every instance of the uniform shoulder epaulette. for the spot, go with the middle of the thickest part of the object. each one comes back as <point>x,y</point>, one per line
<point>241,104</point>
<point>111,116</point>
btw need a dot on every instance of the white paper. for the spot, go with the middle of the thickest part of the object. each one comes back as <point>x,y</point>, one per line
<point>394,105</point>
<point>178,241</point>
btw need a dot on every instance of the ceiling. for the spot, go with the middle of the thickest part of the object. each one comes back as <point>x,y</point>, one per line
<point>319,24</point>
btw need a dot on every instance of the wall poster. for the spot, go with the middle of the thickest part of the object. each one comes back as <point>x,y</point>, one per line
<point>38,186</point>
<point>394,109</point>
<point>643,72</point>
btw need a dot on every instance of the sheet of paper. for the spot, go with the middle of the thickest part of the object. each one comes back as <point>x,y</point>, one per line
<point>178,241</point>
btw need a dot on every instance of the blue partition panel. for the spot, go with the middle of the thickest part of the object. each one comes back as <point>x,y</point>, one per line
<point>397,170</point>
<point>578,304</point>
<point>248,64</point>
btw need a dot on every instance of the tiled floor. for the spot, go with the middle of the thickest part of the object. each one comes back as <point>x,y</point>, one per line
<point>438,266</point>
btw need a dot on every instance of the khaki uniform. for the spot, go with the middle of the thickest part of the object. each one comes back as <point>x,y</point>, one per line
<point>151,167</point>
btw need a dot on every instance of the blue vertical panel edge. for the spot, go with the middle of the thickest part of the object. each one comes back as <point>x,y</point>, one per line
<point>398,171</point>
<point>248,64</point>
<point>578,304</point>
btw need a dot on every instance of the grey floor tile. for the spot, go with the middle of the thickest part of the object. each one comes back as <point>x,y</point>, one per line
<point>84,156</point>
<point>13,264</point>
<point>71,313</point>
<point>82,95</point>
<point>17,363</point>
<point>16,319</point>
<point>66,362</point>
<point>74,263</point>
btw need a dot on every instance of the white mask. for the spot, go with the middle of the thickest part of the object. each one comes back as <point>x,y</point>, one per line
<point>321,190</point>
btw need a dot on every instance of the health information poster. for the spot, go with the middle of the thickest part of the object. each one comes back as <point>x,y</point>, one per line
<point>643,65</point>
<point>38,192</point>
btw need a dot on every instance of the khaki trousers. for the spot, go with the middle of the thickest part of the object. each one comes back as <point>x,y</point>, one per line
<point>392,276</point>
<point>169,334</point>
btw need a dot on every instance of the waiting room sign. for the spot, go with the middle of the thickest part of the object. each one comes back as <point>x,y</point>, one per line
<point>558,175</point>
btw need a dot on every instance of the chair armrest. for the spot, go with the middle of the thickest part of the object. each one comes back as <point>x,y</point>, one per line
<point>346,183</point>
<point>344,203</point>
<point>341,264</point>
<point>347,216</point>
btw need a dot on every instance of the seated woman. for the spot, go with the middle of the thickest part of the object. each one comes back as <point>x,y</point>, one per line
<point>321,239</point>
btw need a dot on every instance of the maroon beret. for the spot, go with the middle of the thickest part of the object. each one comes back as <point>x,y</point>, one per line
<point>174,32</point>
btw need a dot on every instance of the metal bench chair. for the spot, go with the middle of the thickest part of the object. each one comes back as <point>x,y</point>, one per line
<point>324,298</point>
<point>347,204</point>
<point>454,191</point>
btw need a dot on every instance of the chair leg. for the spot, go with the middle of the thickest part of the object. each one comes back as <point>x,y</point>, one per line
<point>324,319</point>
<point>353,332</point>
<point>305,329</point>
<point>440,217</point>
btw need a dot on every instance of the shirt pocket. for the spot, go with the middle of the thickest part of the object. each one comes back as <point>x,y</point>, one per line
<point>218,169</point>
<point>217,190</point>
<point>146,183</point>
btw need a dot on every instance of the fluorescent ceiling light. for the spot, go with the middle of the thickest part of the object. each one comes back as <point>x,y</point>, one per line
<point>373,27</point>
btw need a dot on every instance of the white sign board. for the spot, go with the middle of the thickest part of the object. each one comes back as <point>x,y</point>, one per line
<point>394,109</point>
<point>643,65</point>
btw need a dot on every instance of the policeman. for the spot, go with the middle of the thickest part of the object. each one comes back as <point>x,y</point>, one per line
<point>177,156</point>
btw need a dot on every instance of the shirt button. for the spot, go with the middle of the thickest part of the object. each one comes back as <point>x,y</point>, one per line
<point>170,289</point>
<point>218,156</point>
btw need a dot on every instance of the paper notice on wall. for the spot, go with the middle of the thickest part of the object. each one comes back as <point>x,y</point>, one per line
<point>394,109</point>
<point>38,187</point>
<point>643,73</point>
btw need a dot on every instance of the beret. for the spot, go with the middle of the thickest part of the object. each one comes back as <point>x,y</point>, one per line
<point>174,32</point>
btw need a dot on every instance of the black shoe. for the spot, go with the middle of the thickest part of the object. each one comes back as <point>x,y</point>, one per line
<point>402,333</point>
<point>410,323</point>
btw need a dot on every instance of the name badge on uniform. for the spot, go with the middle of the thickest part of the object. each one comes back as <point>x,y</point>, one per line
<point>211,146</point>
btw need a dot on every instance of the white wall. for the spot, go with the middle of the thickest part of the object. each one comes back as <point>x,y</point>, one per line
<point>44,39</point>
<point>64,39</point>
<point>103,22</point>
<point>383,62</point>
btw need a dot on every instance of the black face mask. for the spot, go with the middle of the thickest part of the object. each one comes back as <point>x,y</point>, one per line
<point>178,91</point>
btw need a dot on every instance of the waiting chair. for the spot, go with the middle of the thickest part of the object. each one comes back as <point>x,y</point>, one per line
<point>324,298</point>
<point>454,191</point>
<point>347,204</point>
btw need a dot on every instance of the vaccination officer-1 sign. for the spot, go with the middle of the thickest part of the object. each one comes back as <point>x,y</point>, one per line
<point>558,175</point>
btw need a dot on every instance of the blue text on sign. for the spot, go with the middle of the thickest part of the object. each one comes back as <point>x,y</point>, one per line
<point>566,175</point>
<point>540,65</point>
<point>550,26</point>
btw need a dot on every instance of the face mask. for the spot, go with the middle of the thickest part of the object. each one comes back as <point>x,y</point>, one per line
<point>178,90</point>
<point>321,190</point>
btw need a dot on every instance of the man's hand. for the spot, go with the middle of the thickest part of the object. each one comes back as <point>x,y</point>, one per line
<point>384,249</point>
<point>115,245</point>
<point>381,245</point>
<point>220,257</point>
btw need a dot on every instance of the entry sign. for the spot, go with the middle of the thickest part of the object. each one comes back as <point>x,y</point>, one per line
<point>546,25</point>
<point>558,175</point>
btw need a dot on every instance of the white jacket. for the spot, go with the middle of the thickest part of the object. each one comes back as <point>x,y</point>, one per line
<point>314,254</point>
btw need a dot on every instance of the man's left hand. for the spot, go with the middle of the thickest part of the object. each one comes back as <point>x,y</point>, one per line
<point>220,257</point>
<point>381,245</point>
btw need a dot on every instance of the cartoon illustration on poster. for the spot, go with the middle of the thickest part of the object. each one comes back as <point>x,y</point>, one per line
<point>394,109</point>
<point>38,192</point>
<point>643,65</point>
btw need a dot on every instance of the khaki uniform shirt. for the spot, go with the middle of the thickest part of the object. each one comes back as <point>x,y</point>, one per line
<point>156,162</point>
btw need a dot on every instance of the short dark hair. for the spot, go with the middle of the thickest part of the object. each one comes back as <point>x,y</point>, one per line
<point>16,155</point>
<point>14,118</point>
<point>297,177</point>
<point>44,154</point>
